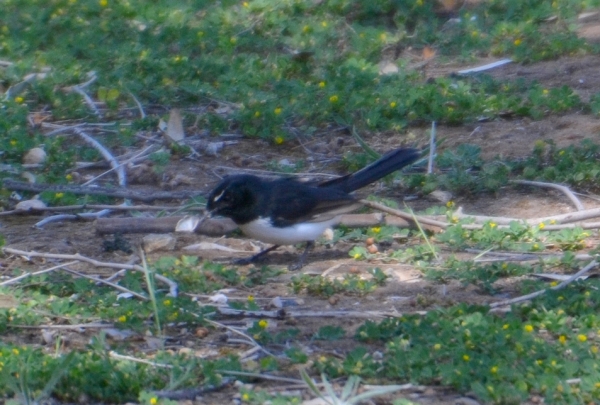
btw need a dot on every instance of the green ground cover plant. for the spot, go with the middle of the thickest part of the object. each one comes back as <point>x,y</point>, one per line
<point>271,70</point>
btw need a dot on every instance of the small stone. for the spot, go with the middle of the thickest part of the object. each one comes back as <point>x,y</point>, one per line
<point>441,196</point>
<point>153,242</point>
<point>372,249</point>
<point>30,205</point>
<point>34,156</point>
<point>201,333</point>
<point>277,302</point>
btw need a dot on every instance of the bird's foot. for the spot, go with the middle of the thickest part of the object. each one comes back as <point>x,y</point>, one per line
<point>244,261</point>
<point>248,260</point>
<point>300,263</point>
<point>296,266</point>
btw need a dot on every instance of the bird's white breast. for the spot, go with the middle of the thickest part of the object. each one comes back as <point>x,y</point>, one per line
<point>263,230</point>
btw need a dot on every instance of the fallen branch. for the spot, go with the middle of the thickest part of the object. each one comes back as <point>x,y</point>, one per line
<point>137,156</point>
<point>108,283</point>
<point>210,226</point>
<point>88,100</point>
<point>86,216</point>
<point>565,190</point>
<point>223,226</point>
<point>560,286</point>
<point>404,215</point>
<point>36,273</point>
<point>172,285</point>
<point>38,210</point>
<point>104,191</point>
<point>105,154</point>
<point>281,314</point>
<point>65,327</point>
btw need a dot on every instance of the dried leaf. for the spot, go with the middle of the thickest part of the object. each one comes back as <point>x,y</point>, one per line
<point>175,126</point>
<point>428,53</point>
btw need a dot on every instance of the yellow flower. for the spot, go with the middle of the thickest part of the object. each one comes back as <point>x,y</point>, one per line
<point>69,177</point>
<point>167,302</point>
<point>437,346</point>
<point>15,351</point>
<point>535,246</point>
<point>263,324</point>
<point>562,339</point>
<point>245,4</point>
<point>376,229</point>
<point>279,140</point>
<point>466,357</point>
<point>257,114</point>
<point>59,195</point>
<point>562,152</point>
<point>153,401</point>
<point>277,111</point>
<point>19,99</point>
<point>517,42</point>
<point>594,349</point>
<point>357,256</point>
<point>122,318</point>
<point>504,266</point>
<point>539,362</point>
<point>103,3</point>
<point>13,142</point>
<point>474,34</point>
<point>245,397</point>
<point>528,328</point>
<point>545,91</point>
<point>306,29</point>
<point>232,40</point>
<point>321,84</point>
<point>382,36</point>
<point>454,219</point>
<point>581,337</point>
<point>494,369</point>
<point>553,283</point>
<point>393,104</point>
<point>542,225</point>
<point>493,225</point>
<point>324,24</point>
<point>251,298</point>
<point>552,221</point>
<point>333,99</point>
<point>450,204</point>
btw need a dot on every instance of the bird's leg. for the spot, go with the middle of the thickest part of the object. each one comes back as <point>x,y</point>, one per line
<point>300,263</point>
<point>252,259</point>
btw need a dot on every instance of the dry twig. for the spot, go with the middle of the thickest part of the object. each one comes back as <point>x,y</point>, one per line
<point>172,285</point>
<point>533,295</point>
<point>565,190</point>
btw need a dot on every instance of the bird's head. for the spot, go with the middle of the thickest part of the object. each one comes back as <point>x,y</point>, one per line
<point>235,197</point>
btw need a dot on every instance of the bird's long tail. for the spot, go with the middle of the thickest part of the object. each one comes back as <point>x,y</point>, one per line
<point>388,163</point>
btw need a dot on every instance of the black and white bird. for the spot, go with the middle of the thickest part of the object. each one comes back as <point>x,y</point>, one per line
<point>285,211</point>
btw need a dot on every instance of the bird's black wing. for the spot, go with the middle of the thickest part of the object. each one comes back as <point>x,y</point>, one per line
<point>293,202</point>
